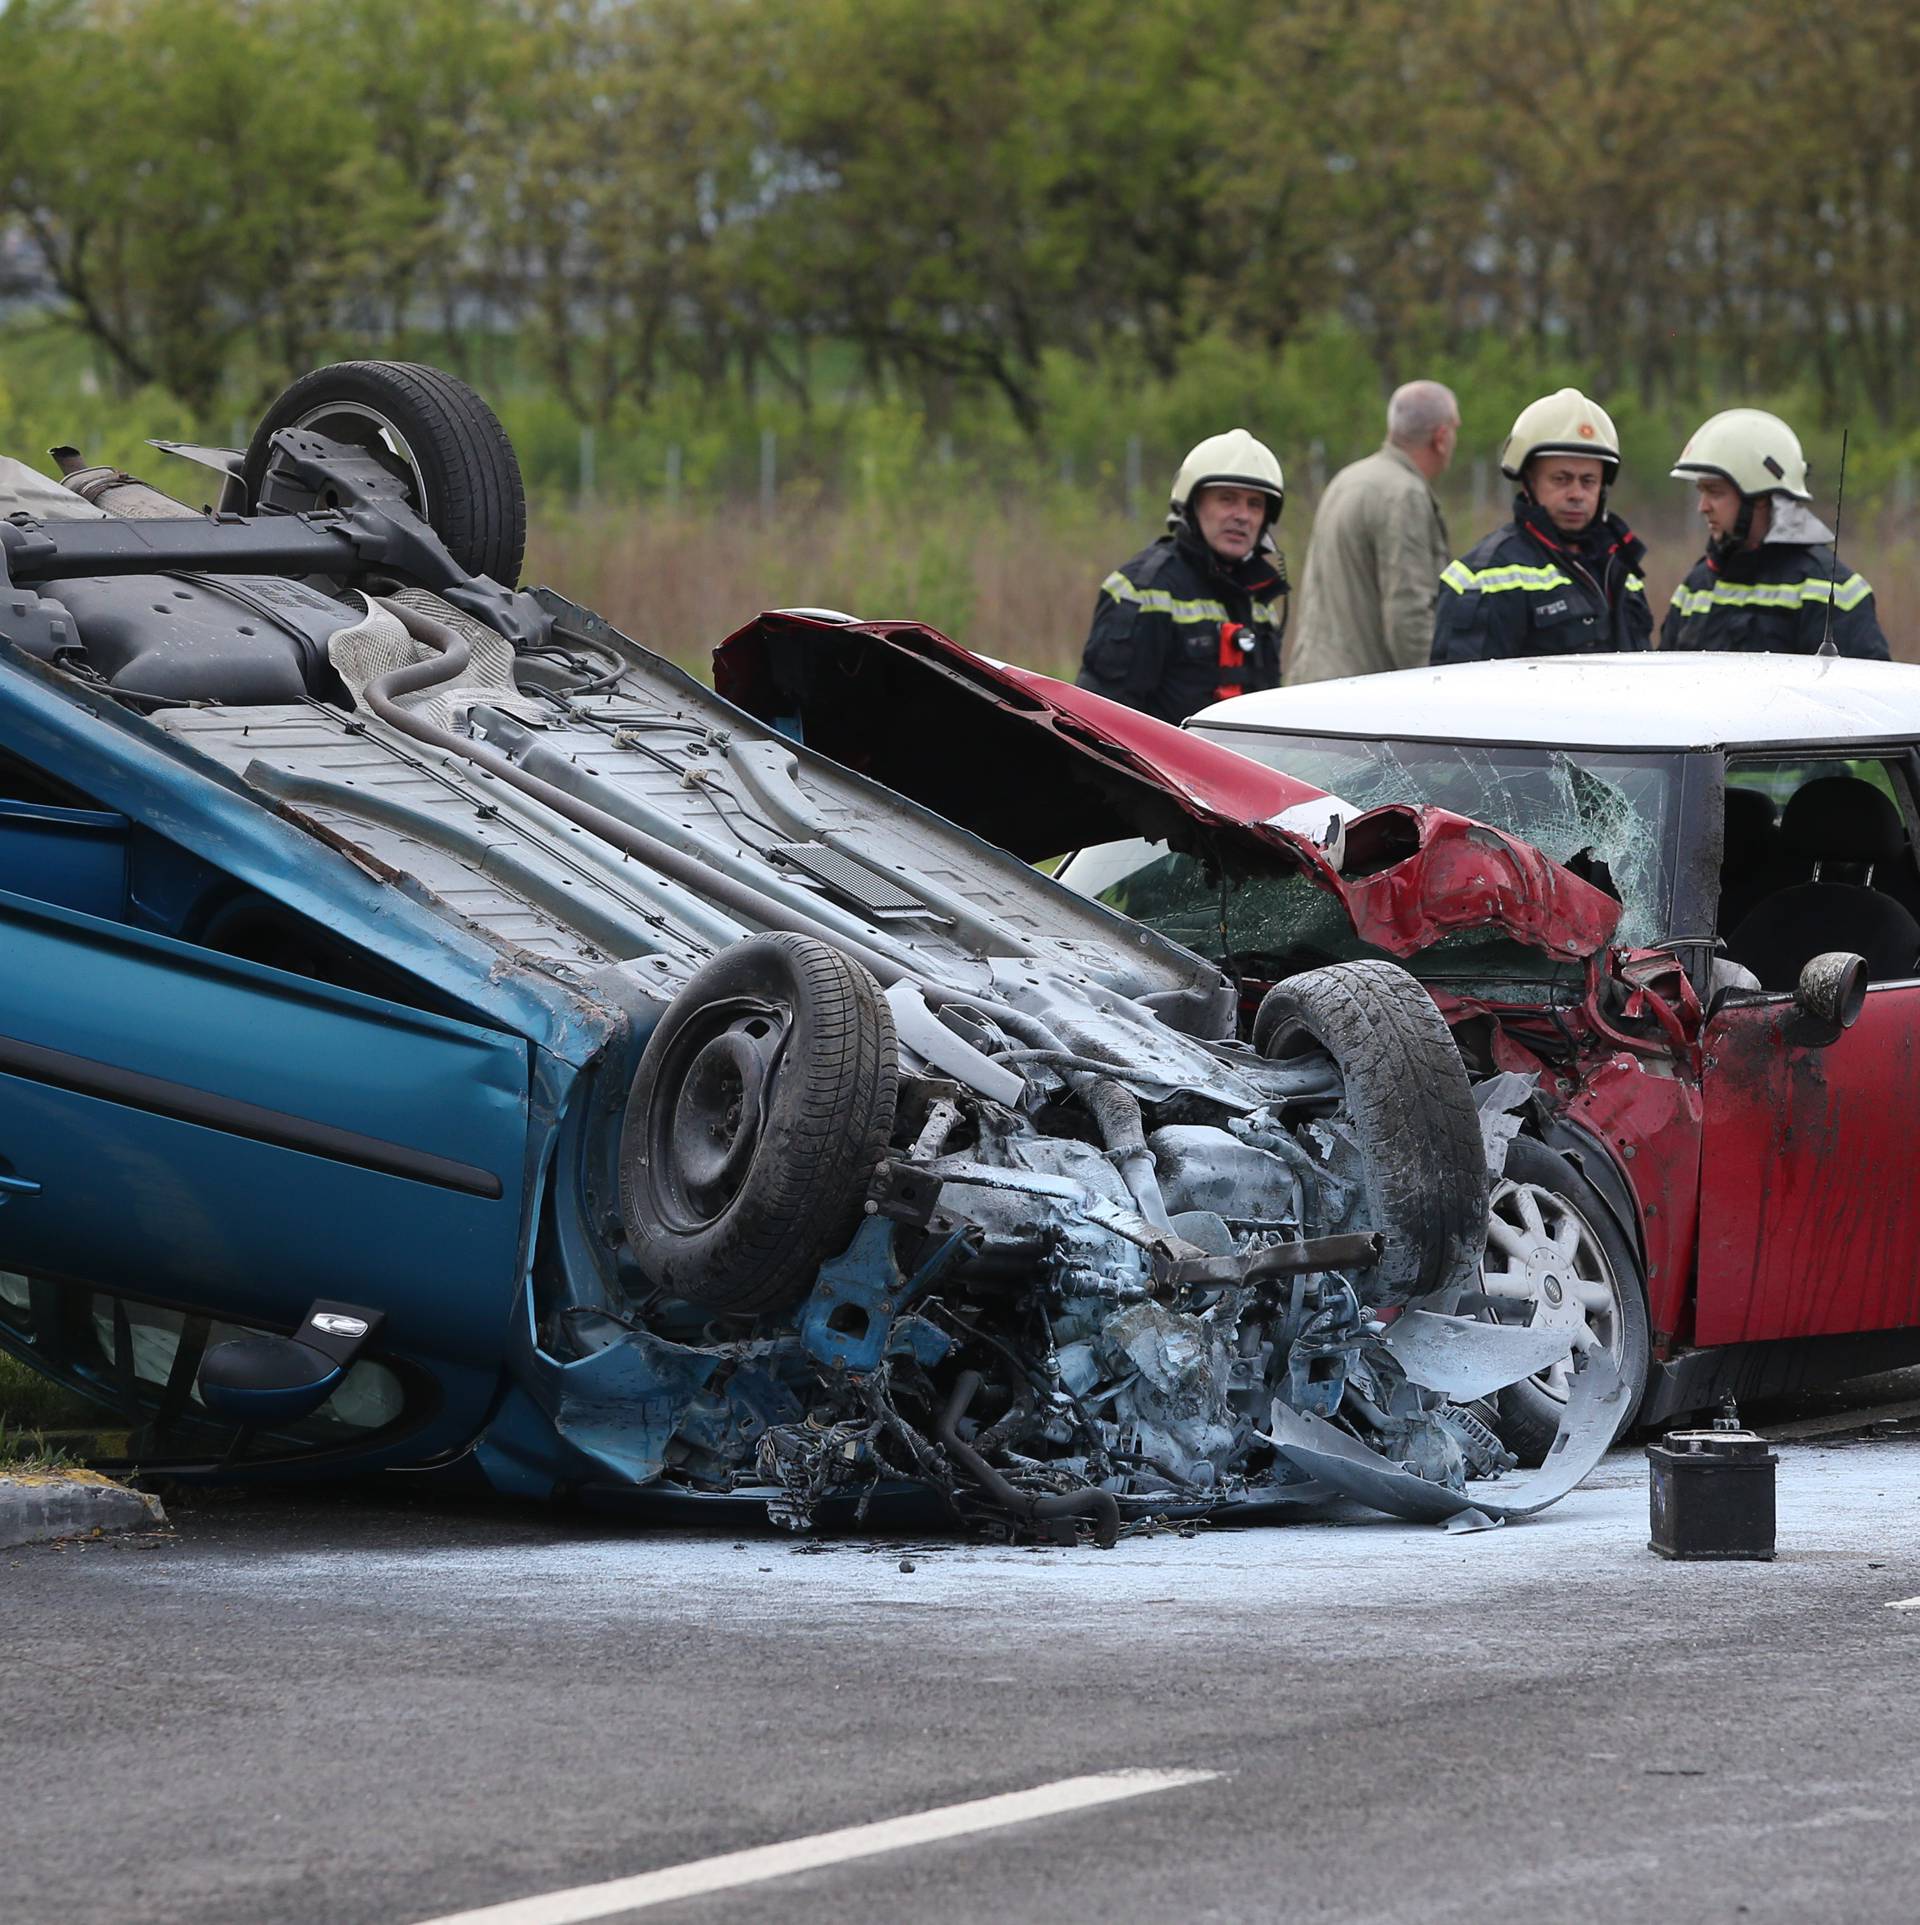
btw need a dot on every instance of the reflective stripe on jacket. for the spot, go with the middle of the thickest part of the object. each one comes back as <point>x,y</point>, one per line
<point>1774,600</point>
<point>1526,591</point>
<point>1176,628</point>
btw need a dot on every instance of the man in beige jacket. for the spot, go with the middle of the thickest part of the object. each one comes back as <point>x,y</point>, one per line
<point>1379,544</point>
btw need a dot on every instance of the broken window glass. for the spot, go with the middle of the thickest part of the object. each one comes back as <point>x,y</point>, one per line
<point>1271,926</point>
<point>1605,814</point>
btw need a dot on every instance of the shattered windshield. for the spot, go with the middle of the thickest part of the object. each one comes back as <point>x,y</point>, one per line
<point>1272,926</point>
<point>1605,817</point>
<point>1603,814</point>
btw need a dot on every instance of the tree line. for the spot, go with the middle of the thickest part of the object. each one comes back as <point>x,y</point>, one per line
<point>1678,196</point>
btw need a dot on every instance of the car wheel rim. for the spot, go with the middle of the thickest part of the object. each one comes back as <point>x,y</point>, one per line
<point>367,428</point>
<point>709,1110</point>
<point>1546,1268</point>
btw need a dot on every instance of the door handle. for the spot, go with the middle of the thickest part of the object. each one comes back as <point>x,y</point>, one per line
<point>12,1186</point>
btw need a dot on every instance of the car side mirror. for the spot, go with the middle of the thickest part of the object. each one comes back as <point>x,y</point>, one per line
<point>1829,996</point>
<point>266,1380</point>
<point>261,1380</point>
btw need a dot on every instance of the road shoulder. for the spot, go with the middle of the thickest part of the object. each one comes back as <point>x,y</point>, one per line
<point>38,1505</point>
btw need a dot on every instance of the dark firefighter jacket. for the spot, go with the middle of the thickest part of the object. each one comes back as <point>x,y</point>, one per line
<point>1176,627</point>
<point>1774,599</point>
<point>1530,590</point>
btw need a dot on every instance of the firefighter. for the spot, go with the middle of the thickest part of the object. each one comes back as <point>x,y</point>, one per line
<point>1198,615</point>
<point>1769,581</point>
<point>1563,576</point>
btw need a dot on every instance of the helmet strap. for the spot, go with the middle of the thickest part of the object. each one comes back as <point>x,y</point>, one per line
<point>1721,548</point>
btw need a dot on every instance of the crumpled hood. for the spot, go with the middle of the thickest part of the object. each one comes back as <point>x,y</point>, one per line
<point>1041,767</point>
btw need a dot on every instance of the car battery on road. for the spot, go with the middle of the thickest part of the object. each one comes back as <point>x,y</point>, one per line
<point>1710,1494</point>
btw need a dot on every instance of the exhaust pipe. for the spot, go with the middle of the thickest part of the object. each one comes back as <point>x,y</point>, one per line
<point>116,492</point>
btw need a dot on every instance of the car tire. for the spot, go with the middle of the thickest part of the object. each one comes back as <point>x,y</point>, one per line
<point>762,1105</point>
<point>1554,1252</point>
<point>1422,1164</point>
<point>432,430</point>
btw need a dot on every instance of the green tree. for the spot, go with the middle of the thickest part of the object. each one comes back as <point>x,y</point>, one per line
<point>422,79</point>
<point>197,178</point>
<point>608,181</point>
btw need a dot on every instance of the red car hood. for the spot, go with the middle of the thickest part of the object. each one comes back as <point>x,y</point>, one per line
<point>1041,767</point>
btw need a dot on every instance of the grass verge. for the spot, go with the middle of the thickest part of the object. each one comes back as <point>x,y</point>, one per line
<point>28,1450</point>
<point>31,1404</point>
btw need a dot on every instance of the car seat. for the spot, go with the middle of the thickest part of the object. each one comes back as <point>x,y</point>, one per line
<point>1749,853</point>
<point>1836,821</point>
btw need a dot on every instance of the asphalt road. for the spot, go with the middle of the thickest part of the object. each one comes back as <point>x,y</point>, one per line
<point>349,1712</point>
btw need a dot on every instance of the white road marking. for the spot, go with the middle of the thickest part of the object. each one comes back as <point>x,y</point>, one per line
<point>753,1867</point>
<point>1904,1604</point>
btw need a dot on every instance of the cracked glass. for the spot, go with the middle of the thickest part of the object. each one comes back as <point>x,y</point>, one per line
<point>1607,816</point>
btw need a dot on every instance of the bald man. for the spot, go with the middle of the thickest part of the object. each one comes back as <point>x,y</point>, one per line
<point>1379,544</point>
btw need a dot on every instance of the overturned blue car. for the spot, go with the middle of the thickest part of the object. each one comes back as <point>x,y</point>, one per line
<point>439,1034</point>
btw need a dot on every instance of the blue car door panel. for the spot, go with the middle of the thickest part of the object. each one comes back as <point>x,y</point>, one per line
<point>207,1130</point>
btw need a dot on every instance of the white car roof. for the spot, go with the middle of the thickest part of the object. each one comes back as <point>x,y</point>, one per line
<point>1683,700</point>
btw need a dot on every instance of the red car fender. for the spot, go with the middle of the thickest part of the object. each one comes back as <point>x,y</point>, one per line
<point>1648,1118</point>
<point>1632,1090</point>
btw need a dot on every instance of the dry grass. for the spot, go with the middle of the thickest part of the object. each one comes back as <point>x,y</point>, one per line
<point>1001,581</point>
<point>1009,578</point>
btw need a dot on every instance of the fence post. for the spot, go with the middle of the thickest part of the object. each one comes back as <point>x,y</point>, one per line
<point>1133,477</point>
<point>768,476</point>
<point>943,450</point>
<point>586,464</point>
<point>1317,467</point>
<point>1479,494</point>
<point>673,474</point>
<point>1903,486</point>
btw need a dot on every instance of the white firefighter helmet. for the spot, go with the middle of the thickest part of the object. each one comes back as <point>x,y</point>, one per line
<point>1231,460</point>
<point>1566,423</point>
<point>1754,450</point>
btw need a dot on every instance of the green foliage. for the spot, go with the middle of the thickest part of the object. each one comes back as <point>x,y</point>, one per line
<point>998,237</point>
<point>31,1403</point>
<point>925,575</point>
<point>202,193</point>
<point>1318,399</point>
<point>28,1450</point>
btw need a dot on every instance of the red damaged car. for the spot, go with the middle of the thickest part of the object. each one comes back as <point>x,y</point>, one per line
<point>1668,905</point>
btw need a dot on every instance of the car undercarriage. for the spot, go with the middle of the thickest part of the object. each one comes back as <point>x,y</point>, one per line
<point>876,1162</point>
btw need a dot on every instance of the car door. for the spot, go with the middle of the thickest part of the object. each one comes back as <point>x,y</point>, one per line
<point>1810,1173</point>
<point>238,1139</point>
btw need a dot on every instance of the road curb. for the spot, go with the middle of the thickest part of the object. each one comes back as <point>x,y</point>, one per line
<point>37,1505</point>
